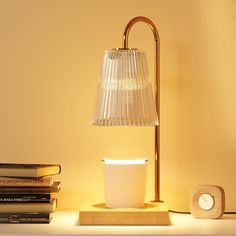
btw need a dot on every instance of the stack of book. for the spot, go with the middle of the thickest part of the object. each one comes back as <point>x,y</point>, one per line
<point>28,193</point>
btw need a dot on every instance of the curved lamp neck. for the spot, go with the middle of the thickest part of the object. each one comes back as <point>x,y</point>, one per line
<point>135,20</point>
<point>156,89</point>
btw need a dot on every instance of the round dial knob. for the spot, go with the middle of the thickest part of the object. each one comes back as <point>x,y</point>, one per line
<point>206,201</point>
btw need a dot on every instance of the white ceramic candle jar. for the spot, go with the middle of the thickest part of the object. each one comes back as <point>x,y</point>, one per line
<point>124,182</point>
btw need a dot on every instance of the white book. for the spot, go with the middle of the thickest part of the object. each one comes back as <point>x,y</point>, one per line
<point>28,170</point>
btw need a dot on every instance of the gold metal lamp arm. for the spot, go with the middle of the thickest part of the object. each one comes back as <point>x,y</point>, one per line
<point>156,89</point>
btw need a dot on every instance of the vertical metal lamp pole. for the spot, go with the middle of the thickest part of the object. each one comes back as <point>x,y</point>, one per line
<point>157,92</point>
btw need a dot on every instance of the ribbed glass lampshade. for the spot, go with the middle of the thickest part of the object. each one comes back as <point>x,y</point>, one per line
<point>124,95</point>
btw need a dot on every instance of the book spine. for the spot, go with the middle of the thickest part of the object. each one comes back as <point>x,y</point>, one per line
<point>29,207</point>
<point>28,170</point>
<point>24,198</point>
<point>21,218</point>
<point>52,189</point>
<point>33,182</point>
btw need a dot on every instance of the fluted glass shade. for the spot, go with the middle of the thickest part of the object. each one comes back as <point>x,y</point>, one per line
<point>124,95</point>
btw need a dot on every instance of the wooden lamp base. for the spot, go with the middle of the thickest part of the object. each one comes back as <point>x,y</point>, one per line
<point>99,214</point>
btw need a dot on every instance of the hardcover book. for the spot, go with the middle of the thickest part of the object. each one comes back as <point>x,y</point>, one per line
<point>22,218</point>
<point>26,197</point>
<point>54,188</point>
<point>29,207</point>
<point>26,182</point>
<point>28,170</point>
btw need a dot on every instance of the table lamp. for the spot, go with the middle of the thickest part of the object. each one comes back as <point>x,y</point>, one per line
<point>125,98</point>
